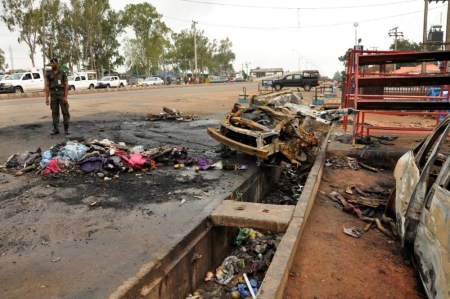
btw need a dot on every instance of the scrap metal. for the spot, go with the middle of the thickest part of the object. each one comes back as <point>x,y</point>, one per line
<point>277,122</point>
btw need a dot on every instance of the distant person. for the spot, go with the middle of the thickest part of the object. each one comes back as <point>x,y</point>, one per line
<point>58,89</point>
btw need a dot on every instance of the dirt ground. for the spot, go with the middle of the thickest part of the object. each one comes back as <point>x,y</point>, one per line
<point>328,263</point>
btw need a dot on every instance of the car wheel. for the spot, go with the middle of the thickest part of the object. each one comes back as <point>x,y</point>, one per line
<point>307,87</point>
<point>18,90</point>
<point>71,87</point>
<point>277,86</point>
<point>91,86</point>
<point>121,85</point>
<point>108,86</point>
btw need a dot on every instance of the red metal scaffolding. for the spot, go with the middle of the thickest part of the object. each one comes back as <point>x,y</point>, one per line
<point>372,89</point>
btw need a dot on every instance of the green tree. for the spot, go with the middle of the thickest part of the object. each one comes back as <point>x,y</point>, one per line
<point>337,76</point>
<point>344,58</point>
<point>225,57</point>
<point>22,17</point>
<point>3,64</point>
<point>151,34</point>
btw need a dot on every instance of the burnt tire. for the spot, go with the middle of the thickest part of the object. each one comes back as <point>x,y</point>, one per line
<point>307,87</point>
<point>277,87</point>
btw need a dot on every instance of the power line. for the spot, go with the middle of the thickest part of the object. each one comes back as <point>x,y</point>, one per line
<point>296,27</point>
<point>289,8</point>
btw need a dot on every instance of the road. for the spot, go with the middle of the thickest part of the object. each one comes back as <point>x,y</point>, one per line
<point>26,123</point>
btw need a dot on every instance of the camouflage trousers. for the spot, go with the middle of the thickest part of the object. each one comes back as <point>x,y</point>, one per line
<point>56,101</point>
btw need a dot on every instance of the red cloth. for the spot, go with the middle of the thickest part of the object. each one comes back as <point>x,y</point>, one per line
<point>53,166</point>
<point>136,161</point>
<point>351,209</point>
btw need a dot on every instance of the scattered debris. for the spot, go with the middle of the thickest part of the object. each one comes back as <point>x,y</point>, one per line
<point>277,122</point>
<point>170,114</point>
<point>352,232</point>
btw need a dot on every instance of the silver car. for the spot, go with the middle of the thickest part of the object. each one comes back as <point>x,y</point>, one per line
<point>150,81</point>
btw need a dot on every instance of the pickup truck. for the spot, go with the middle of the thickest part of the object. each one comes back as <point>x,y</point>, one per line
<point>85,80</point>
<point>305,79</point>
<point>111,81</point>
<point>23,82</point>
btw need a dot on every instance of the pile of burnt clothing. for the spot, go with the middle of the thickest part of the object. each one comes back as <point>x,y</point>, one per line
<point>170,114</point>
<point>240,274</point>
<point>105,158</point>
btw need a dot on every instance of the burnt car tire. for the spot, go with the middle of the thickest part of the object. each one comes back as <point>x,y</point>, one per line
<point>277,87</point>
<point>307,87</point>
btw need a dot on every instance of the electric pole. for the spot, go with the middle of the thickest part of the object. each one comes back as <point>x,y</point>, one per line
<point>393,32</point>
<point>195,47</point>
<point>11,57</point>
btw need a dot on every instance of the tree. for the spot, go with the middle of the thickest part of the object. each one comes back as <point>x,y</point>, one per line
<point>225,57</point>
<point>3,64</point>
<point>337,76</point>
<point>151,33</point>
<point>344,58</point>
<point>22,17</point>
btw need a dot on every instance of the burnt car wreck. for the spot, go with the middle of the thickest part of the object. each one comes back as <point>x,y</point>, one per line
<point>421,205</point>
<point>277,123</point>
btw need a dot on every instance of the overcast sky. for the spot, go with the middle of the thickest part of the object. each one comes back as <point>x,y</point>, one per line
<point>282,34</point>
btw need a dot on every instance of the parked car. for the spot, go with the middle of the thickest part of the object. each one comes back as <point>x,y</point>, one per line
<point>111,81</point>
<point>305,79</point>
<point>84,80</point>
<point>420,202</point>
<point>217,79</point>
<point>32,80</point>
<point>3,77</point>
<point>151,81</point>
<point>239,79</point>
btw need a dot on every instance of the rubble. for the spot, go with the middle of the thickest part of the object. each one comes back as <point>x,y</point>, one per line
<point>277,123</point>
<point>170,114</point>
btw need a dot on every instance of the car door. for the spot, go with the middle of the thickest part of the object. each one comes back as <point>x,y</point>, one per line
<point>431,246</point>
<point>83,82</point>
<point>288,81</point>
<point>37,81</point>
<point>297,80</point>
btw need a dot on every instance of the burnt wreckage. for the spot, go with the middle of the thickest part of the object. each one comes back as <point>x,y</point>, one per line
<point>274,123</point>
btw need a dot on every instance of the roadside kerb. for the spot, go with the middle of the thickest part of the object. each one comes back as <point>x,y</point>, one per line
<point>276,277</point>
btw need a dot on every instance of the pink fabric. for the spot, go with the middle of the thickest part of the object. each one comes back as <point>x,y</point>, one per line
<point>136,161</point>
<point>351,209</point>
<point>52,167</point>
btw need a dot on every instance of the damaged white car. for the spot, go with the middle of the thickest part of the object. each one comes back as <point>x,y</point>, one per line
<point>421,205</point>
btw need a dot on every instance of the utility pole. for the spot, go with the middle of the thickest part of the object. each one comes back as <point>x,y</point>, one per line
<point>424,43</point>
<point>44,72</point>
<point>195,47</point>
<point>393,32</point>
<point>11,57</point>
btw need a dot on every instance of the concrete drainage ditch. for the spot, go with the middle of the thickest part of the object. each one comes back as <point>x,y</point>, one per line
<point>182,270</point>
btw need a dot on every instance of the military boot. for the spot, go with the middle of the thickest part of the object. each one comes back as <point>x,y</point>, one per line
<point>66,129</point>
<point>55,130</point>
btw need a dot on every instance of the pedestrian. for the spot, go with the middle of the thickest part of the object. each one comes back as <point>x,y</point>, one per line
<point>58,89</point>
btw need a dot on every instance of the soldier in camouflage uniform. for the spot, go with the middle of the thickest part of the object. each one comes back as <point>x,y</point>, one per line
<point>58,89</point>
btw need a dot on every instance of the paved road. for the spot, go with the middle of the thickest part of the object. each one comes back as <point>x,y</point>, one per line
<point>198,99</point>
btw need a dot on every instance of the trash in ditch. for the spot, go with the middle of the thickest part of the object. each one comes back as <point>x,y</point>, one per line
<point>353,232</point>
<point>244,266</point>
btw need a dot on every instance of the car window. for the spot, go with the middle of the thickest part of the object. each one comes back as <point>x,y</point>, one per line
<point>105,79</point>
<point>296,77</point>
<point>77,79</point>
<point>15,76</point>
<point>36,76</point>
<point>27,77</point>
<point>70,78</point>
<point>289,77</point>
<point>83,78</point>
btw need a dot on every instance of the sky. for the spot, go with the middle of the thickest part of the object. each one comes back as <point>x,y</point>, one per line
<point>288,34</point>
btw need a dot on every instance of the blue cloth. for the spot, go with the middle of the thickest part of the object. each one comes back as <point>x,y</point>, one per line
<point>243,289</point>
